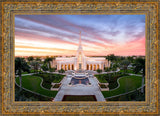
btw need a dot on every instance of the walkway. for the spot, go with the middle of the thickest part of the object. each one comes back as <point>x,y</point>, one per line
<point>79,89</point>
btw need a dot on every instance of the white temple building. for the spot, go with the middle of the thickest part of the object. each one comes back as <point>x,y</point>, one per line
<point>80,61</point>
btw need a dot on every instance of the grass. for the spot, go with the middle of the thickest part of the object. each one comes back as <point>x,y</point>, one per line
<point>49,78</point>
<point>24,95</point>
<point>33,83</point>
<point>133,96</point>
<point>130,71</point>
<point>79,98</point>
<point>127,84</point>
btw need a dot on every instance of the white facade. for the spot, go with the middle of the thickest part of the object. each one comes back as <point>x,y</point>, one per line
<point>81,62</point>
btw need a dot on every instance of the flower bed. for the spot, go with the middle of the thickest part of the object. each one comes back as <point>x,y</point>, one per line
<point>102,85</point>
<point>57,85</point>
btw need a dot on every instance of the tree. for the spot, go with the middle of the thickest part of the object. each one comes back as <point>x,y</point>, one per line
<point>53,69</point>
<point>30,58</point>
<point>21,65</point>
<point>139,65</point>
<point>125,64</point>
<point>35,65</point>
<point>130,58</point>
<point>115,66</point>
<point>44,67</point>
<point>48,60</point>
<point>111,57</point>
<point>99,70</point>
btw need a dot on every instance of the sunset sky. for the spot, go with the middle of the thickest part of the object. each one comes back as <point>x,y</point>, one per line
<point>50,35</point>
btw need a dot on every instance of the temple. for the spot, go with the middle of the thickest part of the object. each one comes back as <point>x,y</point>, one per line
<point>80,61</point>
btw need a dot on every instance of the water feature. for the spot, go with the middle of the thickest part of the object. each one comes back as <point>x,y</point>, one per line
<point>80,78</point>
<point>75,81</point>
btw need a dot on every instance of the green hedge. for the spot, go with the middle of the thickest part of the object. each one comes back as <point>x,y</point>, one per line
<point>111,78</point>
<point>49,78</point>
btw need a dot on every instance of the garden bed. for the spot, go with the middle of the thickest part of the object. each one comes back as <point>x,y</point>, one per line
<point>49,78</point>
<point>102,85</point>
<point>110,78</point>
<point>57,85</point>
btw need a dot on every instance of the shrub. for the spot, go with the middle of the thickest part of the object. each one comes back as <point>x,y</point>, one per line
<point>49,78</point>
<point>44,67</point>
<point>61,71</point>
<point>99,70</point>
<point>111,78</point>
<point>52,69</point>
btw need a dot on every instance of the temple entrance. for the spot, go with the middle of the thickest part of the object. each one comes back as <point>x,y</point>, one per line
<point>94,67</point>
<point>65,67</point>
<point>69,67</point>
<point>80,66</point>
<point>72,67</point>
<point>87,67</point>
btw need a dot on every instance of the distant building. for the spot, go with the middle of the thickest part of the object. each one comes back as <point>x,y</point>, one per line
<point>80,61</point>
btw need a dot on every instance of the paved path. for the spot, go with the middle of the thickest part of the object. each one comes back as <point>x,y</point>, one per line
<point>79,89</point>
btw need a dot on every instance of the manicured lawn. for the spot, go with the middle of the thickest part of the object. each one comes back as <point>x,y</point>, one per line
<point>130,71</point>
<point>33,83</point>
<point>127,83</point>
<point>133,96</point>
<point>24,95</point>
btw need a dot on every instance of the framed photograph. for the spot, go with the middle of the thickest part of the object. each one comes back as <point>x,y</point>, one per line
<point>79,57</point>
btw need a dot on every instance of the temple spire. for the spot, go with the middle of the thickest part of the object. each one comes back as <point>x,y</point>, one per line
<point>80,45</point>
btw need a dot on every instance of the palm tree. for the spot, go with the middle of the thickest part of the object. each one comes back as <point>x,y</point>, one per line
<point>35,65</point>
<point>39,62</point>
<point>21,65</point>
<point>139,65</point>
<point>125,64</point>
<point>44,67</point>
<point>48,60</point>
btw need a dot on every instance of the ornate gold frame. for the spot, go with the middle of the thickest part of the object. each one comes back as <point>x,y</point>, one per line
<point>10,9</point>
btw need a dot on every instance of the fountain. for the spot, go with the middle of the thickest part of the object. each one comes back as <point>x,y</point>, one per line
<point>79,77</point>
